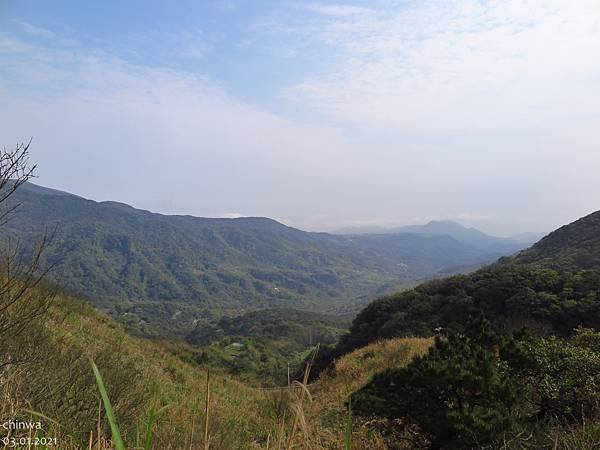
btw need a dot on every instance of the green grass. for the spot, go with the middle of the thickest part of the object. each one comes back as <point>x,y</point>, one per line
<point>114,426</point>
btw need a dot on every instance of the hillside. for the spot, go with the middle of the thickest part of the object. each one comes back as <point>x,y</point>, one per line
<point>572,247</point>
<point>551,288</point>
<point>161,274</point>
<point>143,375</point>
<point>140,375</point>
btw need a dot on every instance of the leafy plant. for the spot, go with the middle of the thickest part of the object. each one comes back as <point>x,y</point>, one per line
<point>152,415</point>
<point>563,376</point>
<point>112,420</point>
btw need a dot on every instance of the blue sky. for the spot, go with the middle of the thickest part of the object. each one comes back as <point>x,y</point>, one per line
<point>319,114</point>
<point>236,44</point>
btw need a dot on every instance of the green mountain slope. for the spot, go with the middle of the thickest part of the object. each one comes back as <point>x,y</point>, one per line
<point>572,247</point>
<point>160,274</point>
<point>551,288</point>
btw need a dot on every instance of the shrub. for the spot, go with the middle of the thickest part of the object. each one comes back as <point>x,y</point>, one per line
<point>564,376</point>
<point>460,393</point>
<point>474,387</point>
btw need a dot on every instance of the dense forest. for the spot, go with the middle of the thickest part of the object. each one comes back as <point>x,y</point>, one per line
<point>264,346</point>
<point>159,274</point>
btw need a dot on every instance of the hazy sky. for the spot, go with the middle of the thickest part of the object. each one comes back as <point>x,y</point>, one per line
<point>318,114</point>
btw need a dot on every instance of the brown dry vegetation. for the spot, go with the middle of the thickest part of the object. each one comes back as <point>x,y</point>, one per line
<point>56,380</point>
<point>331,392</point>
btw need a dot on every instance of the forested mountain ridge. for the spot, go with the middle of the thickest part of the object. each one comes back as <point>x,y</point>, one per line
<point>468,236</point>
<point>571,247</point>
<point>552,287</point>
<point>161,273</point>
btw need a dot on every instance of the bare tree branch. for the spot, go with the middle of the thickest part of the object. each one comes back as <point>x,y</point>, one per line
<point>21,298</point>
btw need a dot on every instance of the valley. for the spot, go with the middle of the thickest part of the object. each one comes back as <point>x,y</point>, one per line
<point>161,275</point>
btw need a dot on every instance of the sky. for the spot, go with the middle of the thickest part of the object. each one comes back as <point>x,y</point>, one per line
<point>319,114</point>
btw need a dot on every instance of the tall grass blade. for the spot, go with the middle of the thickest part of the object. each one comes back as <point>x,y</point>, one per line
<point>348,434</point>
<point>297,407</point>
<point>149,433</point>
<point>112,420</point>
<point>207,410</point>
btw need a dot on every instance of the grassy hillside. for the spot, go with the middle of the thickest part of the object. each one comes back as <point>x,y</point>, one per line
<point>350,373</point>
<point>142,375</point>
<point>551,288</point>
<point>160,274</point>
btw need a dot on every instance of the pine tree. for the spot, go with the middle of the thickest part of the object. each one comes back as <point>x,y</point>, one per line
<point>460,393</point>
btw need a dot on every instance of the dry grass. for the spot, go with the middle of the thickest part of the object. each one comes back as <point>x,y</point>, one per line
<point>328,412</point>
<point>142,375</point>
<point>139,374</point>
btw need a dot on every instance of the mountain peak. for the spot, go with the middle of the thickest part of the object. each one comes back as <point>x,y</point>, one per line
<point>445,222</point>
<point>449,225</point>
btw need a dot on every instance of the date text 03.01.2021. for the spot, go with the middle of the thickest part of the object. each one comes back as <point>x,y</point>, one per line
<point>28,441</point>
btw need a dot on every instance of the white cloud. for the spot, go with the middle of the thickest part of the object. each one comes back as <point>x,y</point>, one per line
<point>36,31</point>
<point>162,139</point>
<point>460,66</point>
<point>483,112</point>
<point>334,10</point>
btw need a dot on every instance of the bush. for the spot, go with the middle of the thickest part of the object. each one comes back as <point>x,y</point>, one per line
<point>475,387</point>
<point>460,394</point>
<point>564,376</point>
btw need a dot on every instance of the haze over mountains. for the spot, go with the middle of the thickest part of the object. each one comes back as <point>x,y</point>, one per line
<point>470,236</point>
<point>162,273</point>
<point>551,288</point>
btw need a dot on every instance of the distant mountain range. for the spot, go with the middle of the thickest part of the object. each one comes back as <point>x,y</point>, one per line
<point>160,274</point>
<point>470,236</point>
<point>552,287</point>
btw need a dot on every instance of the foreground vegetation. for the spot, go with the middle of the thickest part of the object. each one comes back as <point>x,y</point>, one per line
<point>56,380</point>
<point>143,377</point>
<point>480,389</point>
